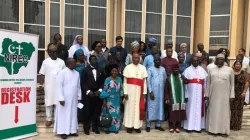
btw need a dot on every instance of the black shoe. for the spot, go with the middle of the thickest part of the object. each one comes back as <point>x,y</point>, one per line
<point>107,132</point>
<point>63,136</point>
<point>74,135</point>
<point>97,131</point>
<point>86,132</point>
<point>129,130</point>
<point>197,131</point>
<point>147,129</point>
<point>224,135</point>
<point>116,132</point>
<point>159,128</point>
<point>138,130</point>
<point>188,131</point>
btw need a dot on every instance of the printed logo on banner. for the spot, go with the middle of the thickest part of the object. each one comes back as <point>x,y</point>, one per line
<point>15,55</point>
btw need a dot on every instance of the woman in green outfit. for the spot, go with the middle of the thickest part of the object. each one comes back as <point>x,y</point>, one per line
<point>112,93</point>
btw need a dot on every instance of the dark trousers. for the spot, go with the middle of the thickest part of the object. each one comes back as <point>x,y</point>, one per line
<point>174,125</point>
<point>91,112</point>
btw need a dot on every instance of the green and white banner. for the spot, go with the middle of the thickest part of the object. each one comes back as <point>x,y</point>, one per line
<point>18,76</point>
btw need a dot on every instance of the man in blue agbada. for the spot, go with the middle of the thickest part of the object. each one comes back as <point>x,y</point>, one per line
<point>155,99</point>
<point>151,42</point>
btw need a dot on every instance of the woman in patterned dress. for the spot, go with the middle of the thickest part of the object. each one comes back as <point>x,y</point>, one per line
<point>112,93</point>
<point>236,104</point>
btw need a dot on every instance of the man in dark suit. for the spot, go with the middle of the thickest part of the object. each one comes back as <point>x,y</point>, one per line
<point>92,83</point>
<point>62,50</point>
<point>183,50</point>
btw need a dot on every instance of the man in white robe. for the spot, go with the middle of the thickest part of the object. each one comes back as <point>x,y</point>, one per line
<point>219,91</point>
<point>49,71</point>
<point>78,44</point>
<point>135,88</point>
<point>69,95</point>
<point>195,94</point>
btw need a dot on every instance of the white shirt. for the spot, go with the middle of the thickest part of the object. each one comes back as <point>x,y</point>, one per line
<point>50,69</point>
<point>94,73</point>
<point>104,49</point>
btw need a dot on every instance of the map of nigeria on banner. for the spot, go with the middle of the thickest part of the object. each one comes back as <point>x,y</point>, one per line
<point>14,55</point>
<point>18,78</point>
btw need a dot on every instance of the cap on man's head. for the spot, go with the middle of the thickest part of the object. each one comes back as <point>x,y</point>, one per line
<point>220,55</point>
<point>152,40</point>
<point>170,41</point>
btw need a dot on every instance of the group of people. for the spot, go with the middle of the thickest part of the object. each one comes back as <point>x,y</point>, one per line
<point>146,84</point>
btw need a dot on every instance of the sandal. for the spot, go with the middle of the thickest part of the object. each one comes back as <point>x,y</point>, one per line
<point>171,130</point>
<point>177,130</point>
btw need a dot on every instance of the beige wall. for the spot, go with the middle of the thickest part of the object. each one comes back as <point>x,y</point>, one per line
<point>202,23</point>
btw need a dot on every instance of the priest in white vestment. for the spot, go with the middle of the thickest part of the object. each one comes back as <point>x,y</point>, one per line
<point>78,44</point>
<point>219,91</point>
<point>135,88</point>
<point>69,94</point>
<point>49,70</point>
<point>195,93</point>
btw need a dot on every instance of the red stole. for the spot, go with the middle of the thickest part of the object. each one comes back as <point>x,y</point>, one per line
<point>139,82</point>
<point>200,81</point>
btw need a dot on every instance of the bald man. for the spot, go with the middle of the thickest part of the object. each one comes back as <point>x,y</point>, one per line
<point>49,70</point>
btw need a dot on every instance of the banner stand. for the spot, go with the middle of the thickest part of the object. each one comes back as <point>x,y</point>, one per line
<point>18,81</point>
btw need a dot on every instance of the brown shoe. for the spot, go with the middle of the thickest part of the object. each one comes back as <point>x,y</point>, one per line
<point>48,123</point>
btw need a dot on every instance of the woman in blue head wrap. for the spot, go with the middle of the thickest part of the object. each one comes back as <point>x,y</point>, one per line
<point>80,63</point>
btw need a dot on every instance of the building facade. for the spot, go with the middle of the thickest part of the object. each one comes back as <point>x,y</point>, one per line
<point>215,23</point>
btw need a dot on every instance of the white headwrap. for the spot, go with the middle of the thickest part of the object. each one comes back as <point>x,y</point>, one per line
<point>135,43</point>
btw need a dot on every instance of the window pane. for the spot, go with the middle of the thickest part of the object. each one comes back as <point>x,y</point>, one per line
<point>54,14</point>
<point>39,30</point>
<point>8,26</point>
<point>153,23</point>
<point>219,41</point>
<point>169,25</point>
<point>81,2</point>
<point>184,7</point>
<point>34,12</point>
<point>220,7</point>
<point>129,38</point>
<point>134,5</point>
<point>41,57</point>
<point>216,43</point>
<point>169,6</point>
<point>166,41</point>
<point>70,34</point>
<point>95,36</point>
<point>154,6</point>
<point>183,26</point>
<point>53,31</point>
<point>101,3</point>
<point>220,23</point>
<point>158,39</point>
<point>180,40</point>
<point>9,10</point>
<point>133,21</point>
<point>74,16</point>
<point>97,18</point>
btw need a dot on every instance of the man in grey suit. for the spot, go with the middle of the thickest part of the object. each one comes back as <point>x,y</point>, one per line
<point>183,50</point>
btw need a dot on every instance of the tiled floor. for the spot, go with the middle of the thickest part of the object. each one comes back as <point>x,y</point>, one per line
<point>153,135</point>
